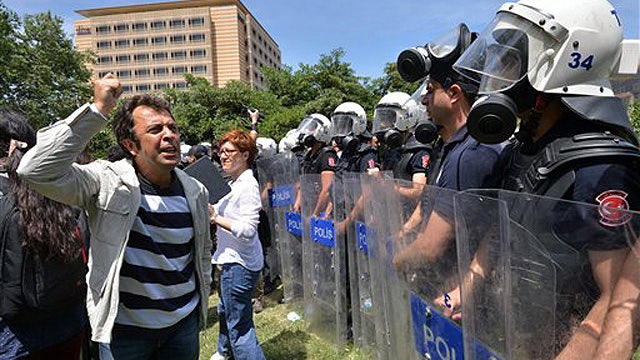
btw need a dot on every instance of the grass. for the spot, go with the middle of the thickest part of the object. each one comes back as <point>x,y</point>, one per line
<point>279,337</point>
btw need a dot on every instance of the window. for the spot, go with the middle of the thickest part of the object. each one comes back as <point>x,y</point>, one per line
<point>143,87</point>
<point>176,24</point>
<point>160,56</point>
<point>159,40</point>
<point>180,85</point>
<point>123,74</point>
<point>123,58</point>
<point>198,69</point>
<point>179,55</point>
<point>126,88</point>
<point>139,26</point>
<point>103,29</point>
<point>142,73</point>
<point>141,57</point>
<point>158,25</point>
<point>120,27</point>
<point>196,22</point>
<point>179,70</point>
<point>163,71</point>
<point>105,60</point>
<point>122,43</point>
<point>104,44</point>
<point>178,39</point>
<point>198,53</point>
<point>141,42</point>
<point>102,74</point>
<point>160,86</point>
<point>196,37</point>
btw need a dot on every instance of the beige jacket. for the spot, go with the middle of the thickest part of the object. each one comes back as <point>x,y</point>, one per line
<point>110,194</point>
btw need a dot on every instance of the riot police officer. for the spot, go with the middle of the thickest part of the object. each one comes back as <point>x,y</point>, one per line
<point>349,129</point>
<point>549,64</point>
<point>320,158</point>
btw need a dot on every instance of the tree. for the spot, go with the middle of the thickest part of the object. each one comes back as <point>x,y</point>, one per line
<point>392,81</point>
<point>41,74</point>
<point>634,114</point>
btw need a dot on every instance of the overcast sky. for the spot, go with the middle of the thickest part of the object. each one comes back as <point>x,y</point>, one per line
<point>371,32</point>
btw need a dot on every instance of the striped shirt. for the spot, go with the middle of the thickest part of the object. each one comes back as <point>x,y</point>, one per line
<point>158,279</point>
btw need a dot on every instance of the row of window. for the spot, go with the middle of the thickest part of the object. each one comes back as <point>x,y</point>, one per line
<point>160,71</point>
<point>156,25</point>
<point>157,56</point>
<point>158,86</point>
<point>157,40</point>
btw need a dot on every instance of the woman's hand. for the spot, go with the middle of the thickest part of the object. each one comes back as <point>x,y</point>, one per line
<point>213,215</point>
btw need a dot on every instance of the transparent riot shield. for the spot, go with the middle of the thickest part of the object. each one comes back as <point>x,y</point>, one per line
<point>279,182</point>
<point>386,212</point>
<point>354,226</point>
<point>528,280</point>
<point>425,260</point>
<point>323,265</point>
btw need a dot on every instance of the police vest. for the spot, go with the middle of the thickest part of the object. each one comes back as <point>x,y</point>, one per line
<point>551,173</point>
<point>408,151</point>
<point>311,163</point>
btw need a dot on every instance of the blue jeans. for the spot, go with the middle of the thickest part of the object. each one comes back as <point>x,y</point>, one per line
<point>237,332</point>
<point>181,342</point>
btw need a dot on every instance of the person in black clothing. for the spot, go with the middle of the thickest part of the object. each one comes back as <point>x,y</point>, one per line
<point>349,130</point>
<point>560,89</point>
<point>315,133</point>
<point>42,241</point>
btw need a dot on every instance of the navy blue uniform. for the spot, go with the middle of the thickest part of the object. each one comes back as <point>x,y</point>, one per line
<point>612,183</point>
<point>465,164</point>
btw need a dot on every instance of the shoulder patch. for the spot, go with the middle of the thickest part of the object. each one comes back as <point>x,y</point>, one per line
<point>371,164</point>
<point>425,161</point>
<point>613,208</point>
<point>331,161</point>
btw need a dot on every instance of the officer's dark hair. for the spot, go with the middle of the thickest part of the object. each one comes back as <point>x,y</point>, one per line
<point>123,121</point>
<point>198,151</point>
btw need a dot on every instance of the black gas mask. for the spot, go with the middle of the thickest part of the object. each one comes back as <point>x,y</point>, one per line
<point>426,131</point>
<point>391,138</point>
<point>307,140</point>
<point>347,144</point>
<point>434,58</point>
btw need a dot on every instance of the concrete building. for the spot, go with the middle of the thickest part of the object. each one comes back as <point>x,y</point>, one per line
<point>151,46</point>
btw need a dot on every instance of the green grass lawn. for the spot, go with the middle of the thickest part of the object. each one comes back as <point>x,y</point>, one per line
<point>279,337</point>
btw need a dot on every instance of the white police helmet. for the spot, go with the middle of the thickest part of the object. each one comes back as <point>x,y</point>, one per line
<point>266,147</point>
<point>314,127</point>
<point>396,110</point>
<point>349,118</point>
<point>559,47</point>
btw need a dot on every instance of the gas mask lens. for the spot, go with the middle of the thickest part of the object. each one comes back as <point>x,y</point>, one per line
<point>384,118</point>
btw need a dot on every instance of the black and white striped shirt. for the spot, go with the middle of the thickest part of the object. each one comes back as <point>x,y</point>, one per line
<point>158,279</point>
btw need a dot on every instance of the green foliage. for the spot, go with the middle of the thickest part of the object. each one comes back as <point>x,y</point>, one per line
<point>634,114</point>
<point>45,77</point>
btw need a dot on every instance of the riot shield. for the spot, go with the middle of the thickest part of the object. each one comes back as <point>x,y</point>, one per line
<point>354,226</point>
<point>524,259</point>
<point>323,266</point>
<point>397,278</point>
<point>279,182</point>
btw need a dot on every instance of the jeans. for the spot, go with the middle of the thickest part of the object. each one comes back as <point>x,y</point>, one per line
<point>181,343</point>
<point>237,332</point>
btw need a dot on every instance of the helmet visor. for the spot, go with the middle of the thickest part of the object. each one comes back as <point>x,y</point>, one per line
<point>308,126</point>
<point>504,53</point>
<point>342,124</point>
<point>384,118</point>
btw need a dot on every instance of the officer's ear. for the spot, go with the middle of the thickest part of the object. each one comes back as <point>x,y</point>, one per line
<point>455,93</point>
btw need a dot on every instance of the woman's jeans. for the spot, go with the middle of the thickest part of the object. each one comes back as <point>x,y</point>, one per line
<point>235,312</point>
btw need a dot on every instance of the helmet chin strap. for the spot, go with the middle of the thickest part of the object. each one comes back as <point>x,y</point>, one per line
<point>528,128</point>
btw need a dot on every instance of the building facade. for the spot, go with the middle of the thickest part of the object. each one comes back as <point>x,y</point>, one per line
<point>152,46</point>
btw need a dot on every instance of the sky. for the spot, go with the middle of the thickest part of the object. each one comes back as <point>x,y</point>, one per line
<point>372,32</point>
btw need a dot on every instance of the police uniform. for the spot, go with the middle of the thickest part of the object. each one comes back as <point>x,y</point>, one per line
<point>412,158</point>
<point>464,163</point>
<point>325,159</point>
<point>365,158</point>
